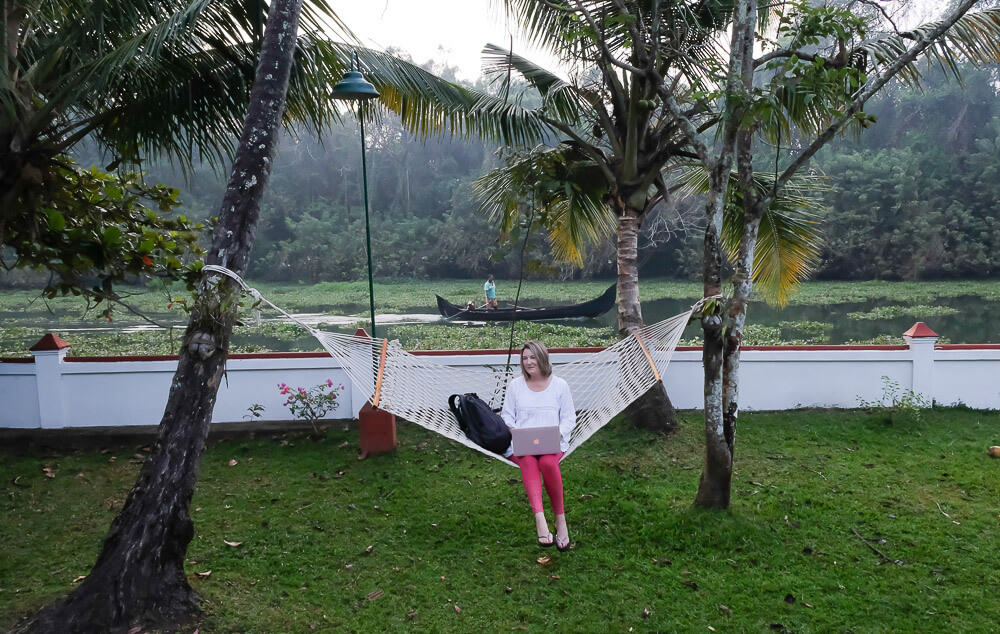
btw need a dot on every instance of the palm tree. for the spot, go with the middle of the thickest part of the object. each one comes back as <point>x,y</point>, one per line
<point>616,138</point>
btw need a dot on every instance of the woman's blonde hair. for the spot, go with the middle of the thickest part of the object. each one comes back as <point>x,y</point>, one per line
<point>541,356</point>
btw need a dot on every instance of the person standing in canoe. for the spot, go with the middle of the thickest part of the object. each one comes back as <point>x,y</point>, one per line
<point>490,290</point>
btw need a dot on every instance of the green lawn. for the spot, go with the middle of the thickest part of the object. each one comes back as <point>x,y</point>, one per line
<point>451,535</point>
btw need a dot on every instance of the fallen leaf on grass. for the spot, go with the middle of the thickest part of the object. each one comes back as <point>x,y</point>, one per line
<point>233,544</point>
<point>78,579</point>
<point>135,630</point>
<point>710,628</point>
<point>233,463</point>
<point>544,560</point>
<point>204,575</point>
<point>49,473</point>
<point>17,482</point>
<point>690,584</point>
<point>646,613</point>
<point>368,550</point>
<point>586,496</point>
<point>374,595</point>
<point>412,613</point>
<point>725,609</point>
<point>457,609</point>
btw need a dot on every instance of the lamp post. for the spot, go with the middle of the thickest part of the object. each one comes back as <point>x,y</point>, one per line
<point>353,87</point>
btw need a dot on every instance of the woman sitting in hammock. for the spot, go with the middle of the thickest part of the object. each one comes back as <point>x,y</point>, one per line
<point>539,399</point>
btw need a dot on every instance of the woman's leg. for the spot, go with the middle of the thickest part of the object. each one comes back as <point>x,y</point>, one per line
<point>533,488</point>
<point>549,466</point>
<point>532,480</point>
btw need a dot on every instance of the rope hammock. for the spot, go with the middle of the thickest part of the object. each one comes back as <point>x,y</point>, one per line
<point>416,388</point>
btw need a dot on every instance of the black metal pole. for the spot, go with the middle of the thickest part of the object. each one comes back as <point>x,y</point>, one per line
<point>368,231</point>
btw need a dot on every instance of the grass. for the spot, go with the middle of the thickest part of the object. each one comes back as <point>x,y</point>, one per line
<point>450,528</point>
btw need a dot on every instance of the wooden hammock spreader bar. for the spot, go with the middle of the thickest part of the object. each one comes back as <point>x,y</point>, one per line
<point>656,372</point>
<point>381,370</point>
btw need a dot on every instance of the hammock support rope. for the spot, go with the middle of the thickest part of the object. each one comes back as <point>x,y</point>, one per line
<point>416,388</point>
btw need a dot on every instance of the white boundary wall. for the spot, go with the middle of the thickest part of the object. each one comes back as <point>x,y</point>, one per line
<point>52,392</point>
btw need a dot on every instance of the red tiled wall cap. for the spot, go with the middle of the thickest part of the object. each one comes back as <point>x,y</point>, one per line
<point>49,342</point>
<point>918,330</point>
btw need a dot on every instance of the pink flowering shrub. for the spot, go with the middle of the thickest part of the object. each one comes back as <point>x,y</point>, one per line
<point>314,404</point>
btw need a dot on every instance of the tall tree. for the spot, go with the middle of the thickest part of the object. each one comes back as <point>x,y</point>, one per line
<point>616,135</point>
<point>139,575</point>
<point>813,79</point>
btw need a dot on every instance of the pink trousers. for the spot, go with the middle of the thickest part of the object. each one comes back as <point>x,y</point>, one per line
<point>533,469</point>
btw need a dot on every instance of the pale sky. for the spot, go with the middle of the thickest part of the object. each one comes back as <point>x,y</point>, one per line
<point>451,31</point>
<point>455,31</point>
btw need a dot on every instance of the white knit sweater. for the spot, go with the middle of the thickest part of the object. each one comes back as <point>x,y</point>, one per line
<point>523,407</point>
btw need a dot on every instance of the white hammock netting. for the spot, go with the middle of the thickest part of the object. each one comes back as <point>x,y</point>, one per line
<point>416,387</point>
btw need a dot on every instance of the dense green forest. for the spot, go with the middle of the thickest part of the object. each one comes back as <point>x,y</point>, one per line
<point>914,198</point>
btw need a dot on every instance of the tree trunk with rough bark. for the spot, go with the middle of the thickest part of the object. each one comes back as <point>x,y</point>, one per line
<point>653,410</point>
<point>629,308</point>
<point>139,577</point>
<point>715,486</point>
<point>742,288</point>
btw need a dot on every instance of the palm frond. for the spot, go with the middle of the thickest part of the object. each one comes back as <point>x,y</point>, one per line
<point>974,38</point>
<point>564,189</point>
<point>559,97</point>
<point>788,238</point>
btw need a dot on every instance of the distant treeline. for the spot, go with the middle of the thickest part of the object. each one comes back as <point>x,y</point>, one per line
<point>914,197</point>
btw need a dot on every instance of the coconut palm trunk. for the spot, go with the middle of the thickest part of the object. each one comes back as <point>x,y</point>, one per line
<point>629,308</point>
<point>139,576</point>
<point>653,410</point>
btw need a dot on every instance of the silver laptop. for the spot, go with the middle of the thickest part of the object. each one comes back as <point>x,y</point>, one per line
<point>534,441</point>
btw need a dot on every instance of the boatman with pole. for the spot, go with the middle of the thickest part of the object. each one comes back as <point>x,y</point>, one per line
<point>490,289</point>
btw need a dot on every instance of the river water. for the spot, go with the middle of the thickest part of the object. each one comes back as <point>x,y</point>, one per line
<point>973,320</point>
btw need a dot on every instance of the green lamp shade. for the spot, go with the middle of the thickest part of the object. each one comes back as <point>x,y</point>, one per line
<point>353,87</point>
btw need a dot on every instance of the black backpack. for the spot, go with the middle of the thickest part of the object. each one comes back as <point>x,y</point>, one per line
<point>481,424</point>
